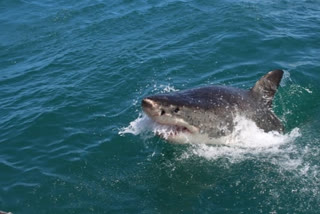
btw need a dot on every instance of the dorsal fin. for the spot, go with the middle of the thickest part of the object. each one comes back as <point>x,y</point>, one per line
<point>267,86</point>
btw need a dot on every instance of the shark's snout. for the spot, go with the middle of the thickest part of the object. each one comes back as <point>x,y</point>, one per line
<point>167,115</point>
<point>150,107</point>
<point>147,103</point>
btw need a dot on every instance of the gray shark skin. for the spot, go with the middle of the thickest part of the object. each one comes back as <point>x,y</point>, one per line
<point>211,110</point>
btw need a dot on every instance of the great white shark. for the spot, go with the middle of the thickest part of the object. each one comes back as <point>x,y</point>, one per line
<point>211,111</point>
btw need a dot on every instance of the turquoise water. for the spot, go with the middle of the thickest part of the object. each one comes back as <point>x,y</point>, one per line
<point>73,73</point>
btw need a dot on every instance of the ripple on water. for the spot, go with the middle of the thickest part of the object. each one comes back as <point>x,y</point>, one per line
<point>72,73</point>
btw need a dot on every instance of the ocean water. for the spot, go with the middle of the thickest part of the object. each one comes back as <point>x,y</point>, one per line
<point>72,135</point>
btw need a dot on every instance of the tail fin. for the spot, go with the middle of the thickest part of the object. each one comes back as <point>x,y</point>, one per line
<point>267,86</point>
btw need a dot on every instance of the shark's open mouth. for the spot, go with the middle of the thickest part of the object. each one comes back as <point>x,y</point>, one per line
<point>169,130</point>
<point>173,130</point>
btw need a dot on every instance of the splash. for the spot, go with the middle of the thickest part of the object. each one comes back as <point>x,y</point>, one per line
<point>140,125</point>
<point>246,134</point>
<point>144,125</point>
<point>247,141</point>
<point>246,138</point>
<point>248,144</point>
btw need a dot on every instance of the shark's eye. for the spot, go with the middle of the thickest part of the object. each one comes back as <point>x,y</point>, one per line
<point>162,112</point>
<point>177,110</point>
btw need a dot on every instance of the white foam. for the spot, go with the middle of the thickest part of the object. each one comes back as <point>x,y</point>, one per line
<point>308,90</point>
<point>286,78</point>
<point>163,88</point>
<point>247,135</point>
<point>168,88</point>
<point>246,141</point>
<point>140,125</point>
<point>143,125</point>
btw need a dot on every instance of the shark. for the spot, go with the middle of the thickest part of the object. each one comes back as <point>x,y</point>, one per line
<point>210,112</point>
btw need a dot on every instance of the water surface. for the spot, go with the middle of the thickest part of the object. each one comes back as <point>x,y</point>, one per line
<point>72,75</point>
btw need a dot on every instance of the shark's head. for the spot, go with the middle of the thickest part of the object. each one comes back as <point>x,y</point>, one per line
<point>190,114</point>
<point>174,116</point>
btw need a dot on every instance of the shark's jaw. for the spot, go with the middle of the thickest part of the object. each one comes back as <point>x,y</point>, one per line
<point>172,128</point>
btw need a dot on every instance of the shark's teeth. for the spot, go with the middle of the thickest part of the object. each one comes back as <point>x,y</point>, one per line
<point>166,131</point>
